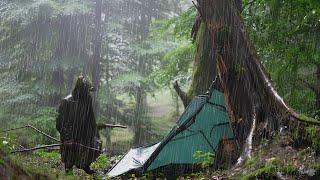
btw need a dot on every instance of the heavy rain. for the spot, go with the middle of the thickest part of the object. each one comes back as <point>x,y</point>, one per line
<point>166,89</point>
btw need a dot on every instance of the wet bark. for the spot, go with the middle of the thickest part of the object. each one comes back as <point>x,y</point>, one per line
<point>247,87</point>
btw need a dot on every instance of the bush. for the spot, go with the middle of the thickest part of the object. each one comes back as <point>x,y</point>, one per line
<point>205,159</point>
<point>102,162</point>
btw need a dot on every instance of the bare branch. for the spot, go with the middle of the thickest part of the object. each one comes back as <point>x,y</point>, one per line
<point>36,148</point>
<point>32,127</point>
<point>55,145</point>
<point>181,94</point>
<point>101,126</point>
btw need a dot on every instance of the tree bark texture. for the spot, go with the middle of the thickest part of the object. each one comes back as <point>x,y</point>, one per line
<point>247,87</point>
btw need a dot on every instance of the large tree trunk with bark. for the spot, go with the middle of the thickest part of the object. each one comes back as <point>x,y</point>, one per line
<point>251,100</point>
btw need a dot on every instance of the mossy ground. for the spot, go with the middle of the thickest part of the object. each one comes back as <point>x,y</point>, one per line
<point>271,160</point>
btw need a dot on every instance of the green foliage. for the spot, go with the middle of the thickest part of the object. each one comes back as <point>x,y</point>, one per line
<point>46,121</point>
<point>53,158</point>
<point>285,36</point>
<point>205,159</point>
<point>45,154</point>
<point>102,162</point>
<point>175,64</point>
<point>177,26</point>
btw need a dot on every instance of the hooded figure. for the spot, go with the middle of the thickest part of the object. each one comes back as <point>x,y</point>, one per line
<point>77,127</point>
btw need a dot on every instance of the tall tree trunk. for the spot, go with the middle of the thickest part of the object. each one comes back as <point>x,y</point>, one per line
<point>249,94</point>
<point>96,58</point>
<point>140,123</point>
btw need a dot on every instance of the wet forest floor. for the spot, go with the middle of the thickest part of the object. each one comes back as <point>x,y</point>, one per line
<point>275,159</point>
<point>272,159</point>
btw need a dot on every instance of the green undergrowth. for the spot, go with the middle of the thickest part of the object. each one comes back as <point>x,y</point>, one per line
<point>313,133</point>
<point>270,169</point>
<point>205,159</point>
<point>101,162</point>
<point>308,136</point>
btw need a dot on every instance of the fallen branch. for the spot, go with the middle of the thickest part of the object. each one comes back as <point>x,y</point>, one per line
<point>101,126</point>
<point>54,145</point>
<point>36,148</point>
<point>32,127</point>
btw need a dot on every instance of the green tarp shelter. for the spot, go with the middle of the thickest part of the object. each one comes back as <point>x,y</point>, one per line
<point>200,128</point>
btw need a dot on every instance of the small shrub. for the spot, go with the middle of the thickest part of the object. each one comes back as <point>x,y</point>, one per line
<point>102,162</point>
<point>205,159</point>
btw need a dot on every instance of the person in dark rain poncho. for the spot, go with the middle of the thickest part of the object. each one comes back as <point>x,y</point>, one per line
<point>77,127</point>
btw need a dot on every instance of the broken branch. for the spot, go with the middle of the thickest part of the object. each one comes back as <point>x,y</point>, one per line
<point>101,126</point>
<point>32,127</point>
<point>36,148</point>
<point>181,93</point>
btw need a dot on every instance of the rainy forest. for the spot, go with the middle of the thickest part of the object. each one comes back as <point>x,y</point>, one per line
<point>166,89</point>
